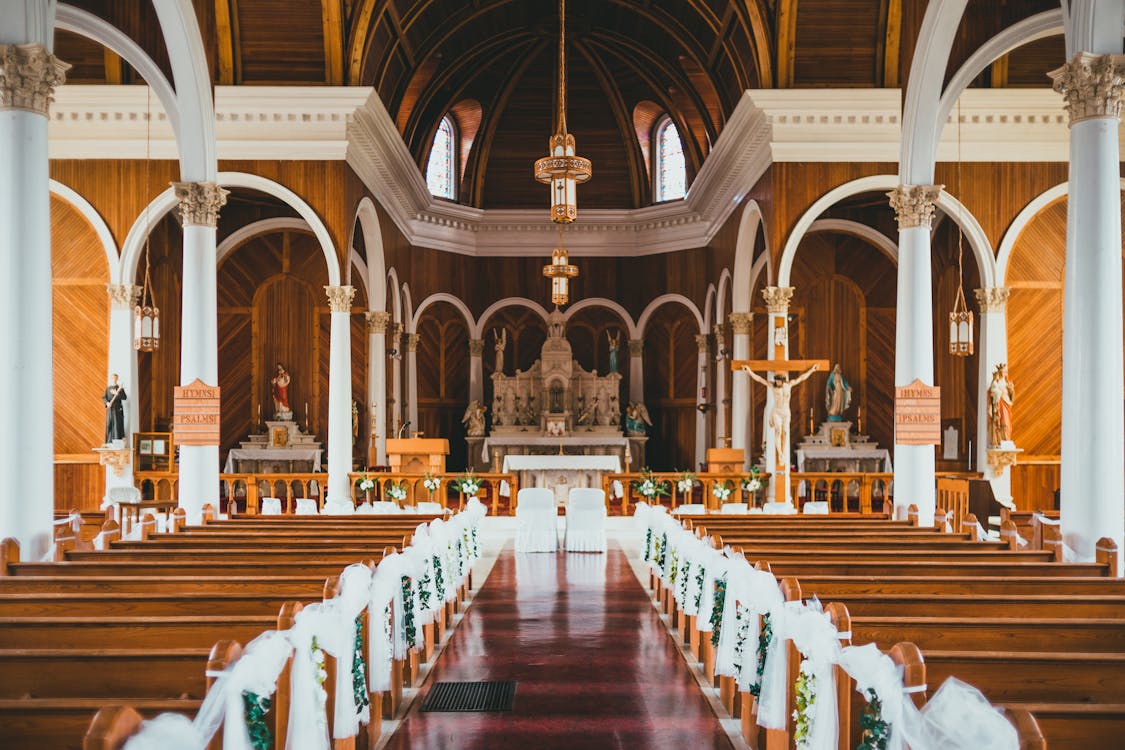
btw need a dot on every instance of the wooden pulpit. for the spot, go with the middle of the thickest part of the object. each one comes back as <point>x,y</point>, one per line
<point>725,460</point>
<point>417,455</point>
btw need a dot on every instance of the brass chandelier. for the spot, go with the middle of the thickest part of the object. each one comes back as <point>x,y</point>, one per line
<point>563,170</point>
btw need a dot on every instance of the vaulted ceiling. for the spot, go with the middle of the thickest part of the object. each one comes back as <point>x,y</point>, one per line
<point>491,63</point>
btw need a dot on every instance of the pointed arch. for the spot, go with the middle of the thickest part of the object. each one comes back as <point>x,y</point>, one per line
<point>478,329</point>
<point>97,223</point>
<point>664,299</point>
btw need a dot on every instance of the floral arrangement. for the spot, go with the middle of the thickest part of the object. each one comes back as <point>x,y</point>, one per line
<point>722,490</point>
<point>408,626</point>
<point>468,484</point>
<point>256,707</point>
<point>684,580</point>
<point>742,617</point>
<point>648,544</point>
<point>752,483</point>
<point>359,670</point>
<point>805,700</point>
<point>764,637</point>
<point>439,579</point>
<point>396,491</point>
<point>650,487</point>
<point>876,732</point>
<point>700,574</point>
<point>424,592</point>
<point>717,609</point>
<point>685,483</point>
<point>366,483</point>
<point>431,483</point>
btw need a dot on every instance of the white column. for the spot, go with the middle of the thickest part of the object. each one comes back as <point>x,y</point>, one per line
<point>199,204</point>
<point>339,496</point>
<point>777,304</point>
<point>396,380</point>
<point>700,387</point>
<point>993,351</point>
<point>377,323</point>
<point>636,371</point>
<point>412,380</point>
<point>476,370</point>
<point>740,323</point>
<point>1093,426</point>
<point>721,368</point>
<point>28,75</point>
<point>122,357</point>
<point>914,338</point>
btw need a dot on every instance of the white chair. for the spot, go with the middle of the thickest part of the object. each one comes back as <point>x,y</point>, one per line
<point>736,509</point>
<point>779,509</point>
<point>690,509</point>
<point>271,506</point>
<point>585,520</point>
<point>306,506</point>
<point>815,508</point>
<point>536,520</point>
<point>429,507</point>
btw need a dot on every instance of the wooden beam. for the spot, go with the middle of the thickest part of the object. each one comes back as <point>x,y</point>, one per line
<point>332,17</point>
<point>400,37</point>
<point>226,32</point>
<point>890,23</point>
<point>786,42</point>
<point>779,365</point>
<point>113,69</point>
<point>999,73</point>
<point>758,29</point>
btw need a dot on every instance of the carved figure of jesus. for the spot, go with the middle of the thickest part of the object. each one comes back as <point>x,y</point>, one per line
<point>781,414</point>
<point>280,383</point>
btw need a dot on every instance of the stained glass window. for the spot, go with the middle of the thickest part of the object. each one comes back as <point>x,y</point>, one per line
<point>441,172</point>
<point>671,172</point>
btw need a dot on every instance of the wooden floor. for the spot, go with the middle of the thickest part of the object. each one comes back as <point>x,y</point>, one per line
<point>595,666</point>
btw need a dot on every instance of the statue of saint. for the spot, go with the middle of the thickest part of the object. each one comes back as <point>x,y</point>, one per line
<point>636,417</point>
<point>614,342</point>
<point>114,398</point>
<point>280,383</point>
<point>501,342</point>
<point>780,415</point>
<point>474,419</point>
<point>837,395</point>
<point>1001,391</point>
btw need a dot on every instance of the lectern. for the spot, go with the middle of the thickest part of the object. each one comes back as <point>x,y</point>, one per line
<point>725,460</point>
<point>417,455</point>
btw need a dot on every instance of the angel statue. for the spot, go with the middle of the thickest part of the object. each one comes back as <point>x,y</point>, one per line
<point>474,419</point>
<point>589,415</point>
<point>614,342</point>
<point>636,417</point>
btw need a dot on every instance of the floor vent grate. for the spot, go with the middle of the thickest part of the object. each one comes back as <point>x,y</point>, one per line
<point>470,696</point>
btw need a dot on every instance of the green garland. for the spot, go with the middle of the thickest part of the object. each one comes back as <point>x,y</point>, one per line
<point>742,631</point>
<point>805,700</point>
<point>685,576</point>
<point>408,625</point>
<point>359,670</point>
<point>673,568</point>
<point>662,550</point>
<point>876,732</point>
<point>717,610</point>
<point>648,545</point>
<point>424,592</point>
<point>256,707</point>
<point>476,543</point>
<point>439,579</point>
<point>699,576</point>
<point>764,637</point>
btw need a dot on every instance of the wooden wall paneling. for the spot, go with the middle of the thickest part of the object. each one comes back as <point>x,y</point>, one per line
<point>79,482</point>
<point>670,382</point>
<point>1034,482</point>
<point>443,381</point>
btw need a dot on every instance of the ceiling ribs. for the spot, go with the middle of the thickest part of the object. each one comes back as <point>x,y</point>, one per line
<point>758,29</point>
<point>890,28</point>
<point>332,17</point>
<point>358,39</point>
<point>400,37</point>
<point>786,42</point>
<point>113,68</point>
<point>226,31</point>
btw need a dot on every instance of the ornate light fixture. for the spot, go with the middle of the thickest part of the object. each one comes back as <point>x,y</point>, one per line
<point>146,315</point>
<point>562,169</point>
<point>961,318</point>
<point>560,272</point>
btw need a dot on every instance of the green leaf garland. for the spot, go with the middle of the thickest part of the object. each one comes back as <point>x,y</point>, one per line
<point>408,625</point>
<point>256,708</point>
<point>764,637</point>
<point>876,732</point>
<point>359,670</point>
<point>805,700</point>
<point>717,610</point>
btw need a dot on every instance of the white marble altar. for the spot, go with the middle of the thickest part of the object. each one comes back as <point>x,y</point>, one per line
<point>834,447</point>
<point>282,449</point>
<point>563,473</point>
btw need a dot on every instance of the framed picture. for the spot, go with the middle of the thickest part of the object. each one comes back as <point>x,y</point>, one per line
<point>159,448</point>
<point>146,447</point>
<point>279,437</point>
<point>840,437</point>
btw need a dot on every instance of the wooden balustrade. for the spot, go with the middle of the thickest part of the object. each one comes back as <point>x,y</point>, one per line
<point>702,492</point>
<point>843,491</point>
<point>953,496</point>
<point>447,495</point>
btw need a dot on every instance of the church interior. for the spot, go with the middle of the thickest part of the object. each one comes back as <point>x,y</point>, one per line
<point>692,373</point>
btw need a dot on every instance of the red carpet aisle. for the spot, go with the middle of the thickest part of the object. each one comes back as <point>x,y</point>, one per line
<point>594,665</point>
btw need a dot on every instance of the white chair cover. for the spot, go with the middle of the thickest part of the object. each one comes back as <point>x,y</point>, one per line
<point>585,520</point>
<point>536,520</point>
<point>306,506</point>
<point>815,508</point>
<point>271,506</point>
<point>505,488</point>
<point>737,509</point>
<point>428,507</point>
<point>380,507</point>
<point>690,509</point>
<point>778,509</point>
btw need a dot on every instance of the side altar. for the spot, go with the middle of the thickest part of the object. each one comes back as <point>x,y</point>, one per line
<point>557,424</point>
<point>282,449</point>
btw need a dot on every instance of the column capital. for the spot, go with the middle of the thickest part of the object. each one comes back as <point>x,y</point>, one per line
<point>340,298</point>
<point>29,74</point>
<point>777,298</point>
<point>396,330</point>
<point>636,347</point>
<point>914,204</point>
<point>476,347</point>
<point>199,202</point>
<point>992,299</point>
<point>1091,86</point>
<point>123,295</point>
<point>701,343</point>
<point>377,322</point>
<point>740,322</point>
<point>412,342</point>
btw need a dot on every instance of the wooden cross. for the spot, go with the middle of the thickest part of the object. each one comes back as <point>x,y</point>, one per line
<point>781,417</point>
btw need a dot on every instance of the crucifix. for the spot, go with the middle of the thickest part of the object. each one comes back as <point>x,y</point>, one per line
<point>780,416</point>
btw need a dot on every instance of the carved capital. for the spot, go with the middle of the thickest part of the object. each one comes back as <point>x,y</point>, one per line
<point>1091,86</point>
<point>123,295</point>
<point>412,342</point>
<point>115,458</point>
<point>777,298</point>
<point>377,322</point>
<point>476,347</point>
<point>994,299</point>
<point>914,204</point>
<point>340,298</point>
<point>740,322</point>
<point>701,343</point>
<point>636,347</point>
<point>396,331</point>
<point>29,74</point>
<point>199,203</point>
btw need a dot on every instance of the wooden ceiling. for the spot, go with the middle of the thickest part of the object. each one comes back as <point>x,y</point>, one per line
<point>491,62</point>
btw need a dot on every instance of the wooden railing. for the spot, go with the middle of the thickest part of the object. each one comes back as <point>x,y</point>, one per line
<point>953,495</point>
<point>247,490</point>
<point>844,492</point>
<point>701,493</point>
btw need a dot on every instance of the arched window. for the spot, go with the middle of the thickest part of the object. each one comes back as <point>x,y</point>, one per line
<point>441,172</point>
<point>670,170</point>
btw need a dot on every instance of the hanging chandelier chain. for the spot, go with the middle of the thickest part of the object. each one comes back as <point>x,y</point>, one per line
<point>562,67</point>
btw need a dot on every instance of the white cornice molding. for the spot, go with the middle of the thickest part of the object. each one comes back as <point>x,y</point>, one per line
<point>350,123</point>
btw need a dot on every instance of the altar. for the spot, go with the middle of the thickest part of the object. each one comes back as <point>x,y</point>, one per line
<point>282,449</point>
<point>561,474</point>
<point>835,448</point>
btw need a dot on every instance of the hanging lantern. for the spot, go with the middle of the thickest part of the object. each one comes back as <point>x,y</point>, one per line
<point>961,327</point>
<point>146,318</point>
<point>560,272</point>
